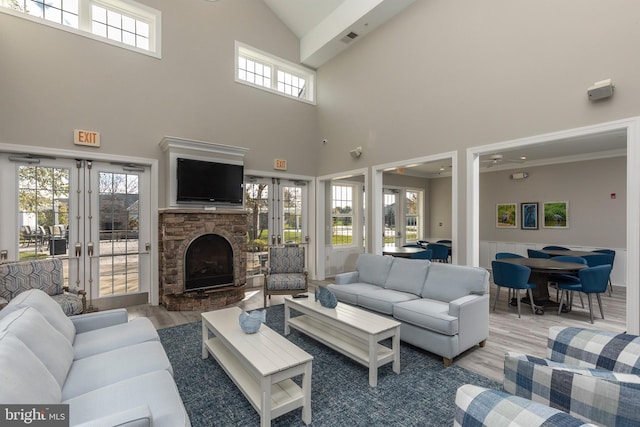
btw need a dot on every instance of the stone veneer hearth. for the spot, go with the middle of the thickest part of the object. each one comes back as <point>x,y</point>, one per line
<point>177,228</point>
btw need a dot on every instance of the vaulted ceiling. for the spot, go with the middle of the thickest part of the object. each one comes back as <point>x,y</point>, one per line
<point>327,27</point>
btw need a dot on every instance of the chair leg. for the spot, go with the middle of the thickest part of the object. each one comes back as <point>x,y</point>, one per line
<point>600,305</point>
<point>610,286</point>
<point>518,301</point>
<point>581,301</point>
<point>533,304</point>
<point>497,296</point>
<point>590,308</point>
<point>561,299</point>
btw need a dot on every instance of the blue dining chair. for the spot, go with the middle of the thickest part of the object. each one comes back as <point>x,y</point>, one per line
<point>443,241</point>
<point>555,248</point>
<point>515,277</point>
<point>426,254</point>
<point>501,255</point>
<point>532,253</point>
<point>567,282</point>
<point>440,252</point>
<point>612,253</point>
<point>594,280</point>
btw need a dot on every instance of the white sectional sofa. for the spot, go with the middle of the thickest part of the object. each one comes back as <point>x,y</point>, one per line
<point>110,371</point>
<point>443,308</point>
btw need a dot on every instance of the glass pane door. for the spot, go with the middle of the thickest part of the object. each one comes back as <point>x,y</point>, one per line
<point>118,232</point>
<point>277,216</point>
<point>390,214</point>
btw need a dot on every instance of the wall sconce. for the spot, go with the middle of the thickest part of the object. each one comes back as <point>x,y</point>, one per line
<point>356,152</point>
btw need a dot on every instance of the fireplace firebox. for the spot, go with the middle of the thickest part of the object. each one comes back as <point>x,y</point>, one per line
<point>208,263</point>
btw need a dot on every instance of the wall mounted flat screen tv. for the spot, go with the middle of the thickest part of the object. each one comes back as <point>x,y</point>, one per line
<point>209,182</point>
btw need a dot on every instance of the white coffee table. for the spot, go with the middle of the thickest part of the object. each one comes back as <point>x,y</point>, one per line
<point>260,364</point>
<point>354,332</point>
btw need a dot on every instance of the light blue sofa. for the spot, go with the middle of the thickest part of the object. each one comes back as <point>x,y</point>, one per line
<point>443,308</point>
<point>110,371</point>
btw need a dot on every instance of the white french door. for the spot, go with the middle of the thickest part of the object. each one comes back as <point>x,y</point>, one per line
<point>391,213</point>
<point>277,216</point>
<point>92,215</point>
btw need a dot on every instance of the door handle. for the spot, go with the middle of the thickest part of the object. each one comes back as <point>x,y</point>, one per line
<point>78,248</point>
<point>4,254</point>
<point>90,249</point>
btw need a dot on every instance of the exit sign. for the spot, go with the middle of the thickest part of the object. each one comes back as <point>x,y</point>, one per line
<point>86,137</point>
<point>280,164</point>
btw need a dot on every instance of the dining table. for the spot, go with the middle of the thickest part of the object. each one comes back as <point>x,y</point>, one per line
<point>401,251</point>
<point>541,268</point>
<point>561,252</point>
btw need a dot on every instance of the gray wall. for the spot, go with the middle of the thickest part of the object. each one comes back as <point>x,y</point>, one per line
<point>440,208</point>
<point>595,219</point>
<point>52,82</point>
<point>451,74</point>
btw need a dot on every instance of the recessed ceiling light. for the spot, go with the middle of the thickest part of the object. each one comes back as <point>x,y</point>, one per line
<point>523,157</point>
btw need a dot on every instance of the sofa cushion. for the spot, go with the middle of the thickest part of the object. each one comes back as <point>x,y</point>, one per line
<point>113,366</point>
<point>157,390</point>
<point>49,345</point>
<point>49,309</point>
<point>349,293</point>
<point>594,349</point>
<point>382,300</point>
<point>101,340</point>
<point>407,275</point>
<point>428,314</point>
<point>447,282</point>
<point>373,269</point>
<point>23,376</point>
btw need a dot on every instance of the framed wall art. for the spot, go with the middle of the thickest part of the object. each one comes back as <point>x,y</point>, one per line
<point>556,214</point>
<point>529,212</point>
<point>507,215</point>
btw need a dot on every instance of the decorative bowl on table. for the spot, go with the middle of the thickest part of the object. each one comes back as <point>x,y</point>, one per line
<point>250,322</point>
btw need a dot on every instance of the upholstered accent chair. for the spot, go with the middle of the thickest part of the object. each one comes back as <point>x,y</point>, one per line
<point>592,375</point>
<point>286,274</point>
<point>44,274</point>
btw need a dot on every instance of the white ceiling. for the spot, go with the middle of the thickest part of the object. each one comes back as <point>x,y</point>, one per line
<point>322,25</point>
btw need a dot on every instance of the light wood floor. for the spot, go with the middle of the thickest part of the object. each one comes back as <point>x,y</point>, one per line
<point>527,334</point>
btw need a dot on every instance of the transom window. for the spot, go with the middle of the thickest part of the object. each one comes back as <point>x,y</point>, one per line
<point>123,23</point>
<point>268,72</point>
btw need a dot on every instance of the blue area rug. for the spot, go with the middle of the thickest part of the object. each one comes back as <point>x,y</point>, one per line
<point>421,395</point>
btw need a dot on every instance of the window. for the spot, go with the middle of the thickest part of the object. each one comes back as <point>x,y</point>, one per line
<point>412,215</point>
<point>342,215</point>
<point>268,72</point>
<point>123,23</point>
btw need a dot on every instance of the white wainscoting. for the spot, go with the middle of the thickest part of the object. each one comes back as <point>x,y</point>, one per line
<point>488,250</point>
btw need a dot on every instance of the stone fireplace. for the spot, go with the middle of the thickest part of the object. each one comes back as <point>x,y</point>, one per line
<point>202,257</point>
